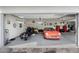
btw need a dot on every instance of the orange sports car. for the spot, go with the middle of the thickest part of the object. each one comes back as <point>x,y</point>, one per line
<point>49,33</point>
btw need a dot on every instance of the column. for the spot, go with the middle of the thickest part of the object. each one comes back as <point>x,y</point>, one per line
<point>78,29</point>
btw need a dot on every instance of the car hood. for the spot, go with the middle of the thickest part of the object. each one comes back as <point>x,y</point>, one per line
<point>53,32</point>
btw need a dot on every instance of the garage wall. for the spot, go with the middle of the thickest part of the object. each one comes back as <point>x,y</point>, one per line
<point>12,24</point>
<point>44,23</point>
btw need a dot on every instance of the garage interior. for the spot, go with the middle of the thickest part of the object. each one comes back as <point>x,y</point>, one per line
<point>17,23</point>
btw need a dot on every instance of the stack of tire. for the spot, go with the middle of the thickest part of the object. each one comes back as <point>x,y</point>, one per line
<point>29,31</point>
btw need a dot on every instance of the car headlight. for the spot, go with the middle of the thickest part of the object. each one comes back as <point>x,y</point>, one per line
<point>59,34</point>
<point>46,33</point>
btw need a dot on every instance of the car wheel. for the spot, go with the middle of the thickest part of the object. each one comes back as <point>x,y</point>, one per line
<point>25,38</point>
<point>45,37</point>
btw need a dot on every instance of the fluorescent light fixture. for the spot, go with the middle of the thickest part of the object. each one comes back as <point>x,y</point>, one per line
<point>19,21</point>
<point>39,22</point>
<point>21,16</point>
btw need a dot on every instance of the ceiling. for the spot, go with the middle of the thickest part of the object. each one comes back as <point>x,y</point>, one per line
<point>40,9</point>
<point>48,12</point>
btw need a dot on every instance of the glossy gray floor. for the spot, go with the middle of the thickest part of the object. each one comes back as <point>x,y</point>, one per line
<point>67,38</point>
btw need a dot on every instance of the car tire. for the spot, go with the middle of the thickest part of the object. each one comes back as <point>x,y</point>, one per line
<point>45,37</point>
<point>25,38</point>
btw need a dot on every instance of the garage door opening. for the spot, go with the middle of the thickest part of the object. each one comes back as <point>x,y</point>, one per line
<point>42,29</point>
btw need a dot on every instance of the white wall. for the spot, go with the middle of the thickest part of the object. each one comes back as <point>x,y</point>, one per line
<point>46,21</point>
<point>14,32</point>
<point>28,22</point>
<point>1,30</point>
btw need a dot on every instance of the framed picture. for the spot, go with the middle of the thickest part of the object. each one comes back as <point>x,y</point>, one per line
<point>20,25</point>
<point>55,23</point>
<point>44,24</point>
<point>8,22</point>
<point>33,21</point>
<point>50,24</point>
<point>14,25</point>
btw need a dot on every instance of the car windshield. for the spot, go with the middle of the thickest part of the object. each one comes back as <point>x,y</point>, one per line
<point>48,29</point>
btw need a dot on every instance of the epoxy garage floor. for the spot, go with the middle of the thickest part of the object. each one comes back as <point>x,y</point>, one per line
<point>67,38</point>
